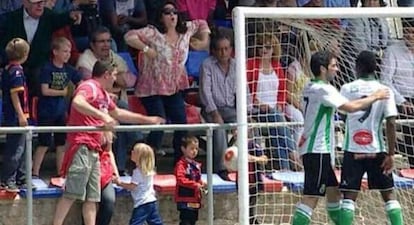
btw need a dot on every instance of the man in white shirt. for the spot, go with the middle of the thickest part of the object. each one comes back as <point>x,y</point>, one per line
<point>397,72</point>
<point>320,100</point>
<point>364,147</point>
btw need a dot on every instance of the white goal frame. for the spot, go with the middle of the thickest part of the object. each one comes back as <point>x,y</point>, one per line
<point>239,19</point>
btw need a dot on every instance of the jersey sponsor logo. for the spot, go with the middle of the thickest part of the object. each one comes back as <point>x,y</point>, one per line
<point>362,137</point>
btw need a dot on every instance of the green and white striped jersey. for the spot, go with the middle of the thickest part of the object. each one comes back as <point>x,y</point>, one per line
<point>319,102</point>
<point>363,132</point>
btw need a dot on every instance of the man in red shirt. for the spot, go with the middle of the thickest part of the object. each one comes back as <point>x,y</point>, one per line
<point>91,106</point>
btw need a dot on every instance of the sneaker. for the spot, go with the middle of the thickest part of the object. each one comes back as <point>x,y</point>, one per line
<point>11,187</point>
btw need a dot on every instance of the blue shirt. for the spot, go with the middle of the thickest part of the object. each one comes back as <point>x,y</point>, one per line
<point>13,80</point>
<point>57,79</point>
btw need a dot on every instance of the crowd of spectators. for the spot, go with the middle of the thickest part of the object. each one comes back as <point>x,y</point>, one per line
<point>158,35</point>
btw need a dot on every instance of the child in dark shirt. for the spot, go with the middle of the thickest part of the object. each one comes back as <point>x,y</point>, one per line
<point>15,113</point>
<point>52,105</point>
<point>189,187</point>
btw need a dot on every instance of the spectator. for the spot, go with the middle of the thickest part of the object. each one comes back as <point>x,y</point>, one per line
<point>189,187</point>
<point>91,20</point>
<point>364,34</point>
<point>91,106</point>
<point>267,83</point>
<point>100,49</point>
<point>163,76</point>
<point>218,95</point>
<point>197,10</point>
<point>64,32</point>
<point>121,16</point>
<point>142,187</point>
<point>297,77</point>
<point>36,25</point>
<point>396,72</point>
<point>16,113</point>
<point>52,105</point>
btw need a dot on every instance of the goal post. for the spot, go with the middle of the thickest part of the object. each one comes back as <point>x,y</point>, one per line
<point>292,17</point>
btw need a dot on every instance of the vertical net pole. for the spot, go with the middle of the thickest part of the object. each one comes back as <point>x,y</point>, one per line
<point>29,196</point>
<point>241,82</point>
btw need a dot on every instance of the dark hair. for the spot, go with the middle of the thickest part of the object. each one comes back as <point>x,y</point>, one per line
<point>318,59</point>
<point>219,36</point>
<point>96,32</point>
<point>382,3</point>
<point>181,27</point>
<point>365,63</point>
<point>100,68</point>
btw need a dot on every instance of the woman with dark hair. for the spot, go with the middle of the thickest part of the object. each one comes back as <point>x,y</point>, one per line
<point>162,76</point>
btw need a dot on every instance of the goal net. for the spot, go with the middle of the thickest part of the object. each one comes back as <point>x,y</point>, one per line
<point>275,41</point>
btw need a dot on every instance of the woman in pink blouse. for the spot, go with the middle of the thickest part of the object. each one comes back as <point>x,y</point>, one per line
<point>162,75</point>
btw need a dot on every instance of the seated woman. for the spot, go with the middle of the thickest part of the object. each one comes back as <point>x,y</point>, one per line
<point>267,84</point>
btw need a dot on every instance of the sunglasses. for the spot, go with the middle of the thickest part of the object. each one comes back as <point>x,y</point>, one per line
<point>170,12</point>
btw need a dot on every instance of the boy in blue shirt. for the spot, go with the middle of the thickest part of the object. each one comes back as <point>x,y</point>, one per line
<point>52,105</point>
<point>16,113</point>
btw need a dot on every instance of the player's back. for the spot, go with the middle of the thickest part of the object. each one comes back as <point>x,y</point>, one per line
<point>363,132</point>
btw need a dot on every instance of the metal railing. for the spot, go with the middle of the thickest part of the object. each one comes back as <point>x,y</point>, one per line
<point>30,130</point>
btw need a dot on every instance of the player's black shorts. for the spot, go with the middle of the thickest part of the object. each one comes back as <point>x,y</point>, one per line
<point>45,139</point>
<point>319,174</point>
<point>356,164</point>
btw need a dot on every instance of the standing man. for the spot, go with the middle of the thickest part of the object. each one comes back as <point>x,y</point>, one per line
<point>317,144</point>
<point>218,95</point>
<point>91,106</point>
<point>364,147</point>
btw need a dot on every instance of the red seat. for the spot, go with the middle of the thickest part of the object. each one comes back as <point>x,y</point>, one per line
<point>407,173</point>
<point>4,195</point>
<point>165,184</point>
<point>270,185</point>
<point>135,105</point>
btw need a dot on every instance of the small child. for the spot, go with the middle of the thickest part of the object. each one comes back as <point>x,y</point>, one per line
<point>16,113</point>
<point>52,105</point>
<point>189,185</point>
<point>141,187</point>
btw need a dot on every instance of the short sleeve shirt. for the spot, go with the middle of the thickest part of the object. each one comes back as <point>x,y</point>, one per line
<point>95,95</point>
<point>364,130</point>
<point>319,102</point>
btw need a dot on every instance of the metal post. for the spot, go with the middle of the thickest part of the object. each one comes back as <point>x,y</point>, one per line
<point>210,199</point>
<point>29,197</point>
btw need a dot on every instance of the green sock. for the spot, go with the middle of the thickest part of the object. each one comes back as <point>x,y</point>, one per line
<point>334,210</point>
<point>347,212</point>
<point>302,215</point>
<point>394,213</point>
